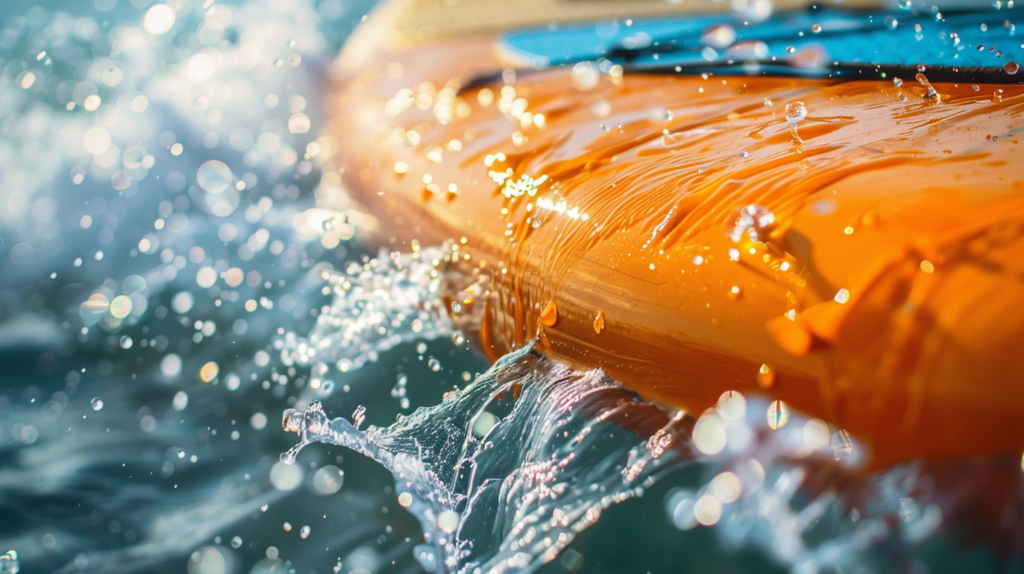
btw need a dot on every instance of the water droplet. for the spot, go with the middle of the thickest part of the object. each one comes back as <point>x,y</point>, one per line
<point>753,10</point>
<point>236,542</point>
<point>209,372</point>
<point>448,521</point>
<point>405,500</point>
<point>842,444</point>
<point>1011,68</point>
<point>599,322</point>
<point>816,434</point>
<point>816,28</point>
<point>923,80</point>
<point>732,405</point>
<point>208,560</point>
<point>159,19</point>
<point>905,4</point>
<point>9,563</point>
<point>795,113</point>
<point>304,532</point>
<point>719,36</point>
<point>214,176</point>
<point>550,315</point>
<point>842,296</point>
<point>709,434</point>
<point>180,401</point>
<point>585,75</point>
<point>434,364</point>
<point>778,415</point>
<point>753,221</point>
<point>97,404</point>
<point>891,22</point>
<point>726,487</point>
<point>285,476</point>
<point>707,510</point>
<point>766,376</point>
<point>121,307</point>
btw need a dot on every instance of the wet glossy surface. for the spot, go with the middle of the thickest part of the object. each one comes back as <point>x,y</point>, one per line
<point>883,295</point>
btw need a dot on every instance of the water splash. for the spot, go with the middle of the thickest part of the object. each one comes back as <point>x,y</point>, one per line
<point>9,563</point>
<point>505,473</point>
<point>386,301</point>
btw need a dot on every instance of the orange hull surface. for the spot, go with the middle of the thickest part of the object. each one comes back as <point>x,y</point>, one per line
<point>864,263</point>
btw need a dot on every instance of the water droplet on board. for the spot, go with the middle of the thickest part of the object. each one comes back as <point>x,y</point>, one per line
<point>550,315</point>
<point>766,376</point>
<point>795,113</point>
<point>752,221</point>
<point>842,296</point>
<point>923,80</point>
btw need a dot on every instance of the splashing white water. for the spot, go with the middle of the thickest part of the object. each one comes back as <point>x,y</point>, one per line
<point>504,474</point>
<point>386,301</point>
<point>510,492</point>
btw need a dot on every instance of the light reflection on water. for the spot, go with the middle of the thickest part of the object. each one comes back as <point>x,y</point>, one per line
<point>161,249</point>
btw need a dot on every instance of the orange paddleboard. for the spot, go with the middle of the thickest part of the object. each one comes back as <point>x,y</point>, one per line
<point>853,247</point>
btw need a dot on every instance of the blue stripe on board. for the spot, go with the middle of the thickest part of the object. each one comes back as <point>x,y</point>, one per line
<point>846,36</point>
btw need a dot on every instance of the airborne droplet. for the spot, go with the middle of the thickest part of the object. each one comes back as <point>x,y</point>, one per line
<point>778,415</point>
<point>214,176</point>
